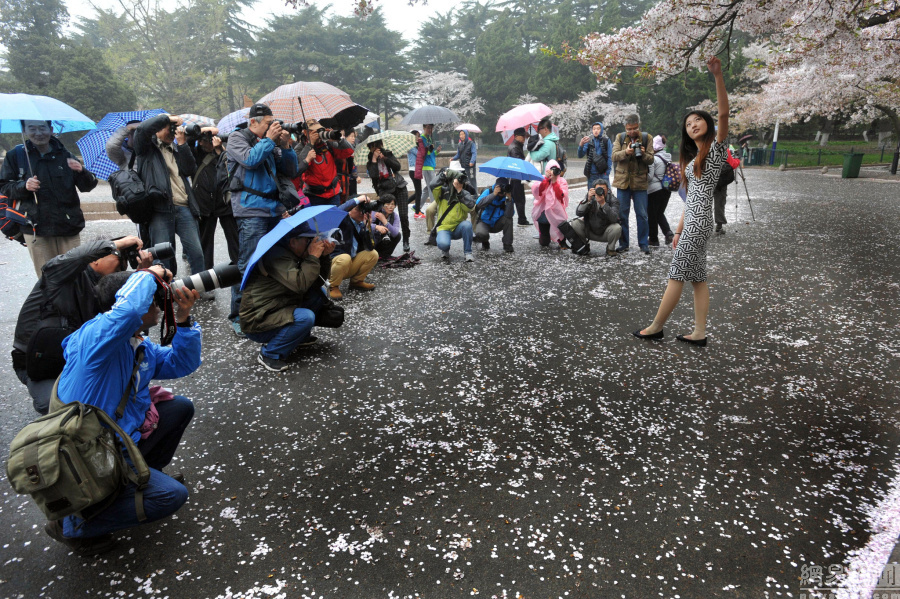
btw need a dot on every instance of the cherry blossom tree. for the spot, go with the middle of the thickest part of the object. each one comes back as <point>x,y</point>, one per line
<point>575,117</point>
<point>810,57</point>
<point>451,90</point>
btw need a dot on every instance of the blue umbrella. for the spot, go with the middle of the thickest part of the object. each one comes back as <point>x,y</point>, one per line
<point>93,145</point>
<point>324,218</point>
<point>229,122</point>
<point>25,107</point>
<point>511,168</point>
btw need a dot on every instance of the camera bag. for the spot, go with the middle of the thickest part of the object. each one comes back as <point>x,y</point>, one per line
<point>71,461</point>
<point>132,197</point>
<point>12,222</point>
<point>44,353</point>
<point>330,315</point>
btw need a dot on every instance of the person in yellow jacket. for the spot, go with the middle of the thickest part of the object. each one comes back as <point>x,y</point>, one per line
<point>453,200</point>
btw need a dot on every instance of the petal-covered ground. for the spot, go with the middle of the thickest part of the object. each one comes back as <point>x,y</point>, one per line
<point>493,429</point>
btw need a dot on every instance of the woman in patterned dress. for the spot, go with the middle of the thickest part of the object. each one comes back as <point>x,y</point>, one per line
<point>703,154</point>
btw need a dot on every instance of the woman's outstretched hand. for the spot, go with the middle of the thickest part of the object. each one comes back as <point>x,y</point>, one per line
<point>714,65</point>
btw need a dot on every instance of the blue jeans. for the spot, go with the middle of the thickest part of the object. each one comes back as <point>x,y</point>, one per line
<point>625,197</point>
<point>162,496</point>
<point>251,230</point>
<point>463,230</point>
<point>280,342</point>
<point>164,226</point>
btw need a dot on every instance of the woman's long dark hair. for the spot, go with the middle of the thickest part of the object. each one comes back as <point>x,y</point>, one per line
<point>690,149</point>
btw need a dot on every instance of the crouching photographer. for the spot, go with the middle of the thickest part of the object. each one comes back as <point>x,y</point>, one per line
<point>598,220</point>
<point>493,214</point>
<point>62,300</point>
<point>355,256</point>
<point>454,198</point>
<point>103,359</point>
<point>284,297</point>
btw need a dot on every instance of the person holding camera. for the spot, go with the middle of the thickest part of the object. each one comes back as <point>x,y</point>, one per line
<point>256,156</point>
<point>454,199</point>
<point>597,219</point>
<point>284,295</point>
<point>61,301</point>
<point>426,162</point>
<point>551,200</point>
<point>494,214</point>
<point>386,227</point>
<point>213,202</point>
<point>355,257</point>
<point>598,149</point>
<point>318,166</point>
<point>42,179</point>
<point>633,155</point>
<point>384,171</point>
<point>516,187</point>
<point>103,359</point>
<point>164,166</point>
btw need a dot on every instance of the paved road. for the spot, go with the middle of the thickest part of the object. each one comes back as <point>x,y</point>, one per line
<point>493,430</point>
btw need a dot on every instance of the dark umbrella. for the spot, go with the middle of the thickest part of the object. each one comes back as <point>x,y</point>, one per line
<point>430,115</point>
<point>348,118</point>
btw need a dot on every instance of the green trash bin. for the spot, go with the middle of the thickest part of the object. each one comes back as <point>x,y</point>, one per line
<point>852,163</point>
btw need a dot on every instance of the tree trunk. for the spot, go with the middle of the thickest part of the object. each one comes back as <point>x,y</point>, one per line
<point>894,116</point>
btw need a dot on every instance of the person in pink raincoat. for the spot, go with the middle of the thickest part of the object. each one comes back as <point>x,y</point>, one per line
<point>551,199</point>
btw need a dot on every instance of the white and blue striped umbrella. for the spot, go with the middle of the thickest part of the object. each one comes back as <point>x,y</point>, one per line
<point>93,145</point>
<point>229,122</point>
<point>114,120</point>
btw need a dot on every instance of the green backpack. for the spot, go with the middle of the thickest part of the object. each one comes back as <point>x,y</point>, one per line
<point>68,461</point>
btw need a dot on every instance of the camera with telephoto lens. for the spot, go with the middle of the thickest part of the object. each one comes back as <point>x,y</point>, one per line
<point>160,251</point>
<point>217,277</point>
<point>293,128</point>
<point>330,134</point>
<point>370,206</point>
<point>191,130</point>
<point>444,178</point>
<point>636,146</point>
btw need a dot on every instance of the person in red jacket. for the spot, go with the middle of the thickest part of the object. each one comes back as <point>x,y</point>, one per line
<point>318,165</point>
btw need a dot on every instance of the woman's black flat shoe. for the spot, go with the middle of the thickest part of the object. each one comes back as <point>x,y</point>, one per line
<point>700,342</point>
<point>657,335</point>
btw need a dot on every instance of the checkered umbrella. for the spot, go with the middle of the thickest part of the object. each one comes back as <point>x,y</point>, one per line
<point>196,119</point>
<point>93,145</point>
<point>229,122</point>
<point>398,142</point>
<point>320,101</point>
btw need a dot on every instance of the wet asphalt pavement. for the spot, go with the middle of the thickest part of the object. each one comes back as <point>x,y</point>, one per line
<point>494,430</point>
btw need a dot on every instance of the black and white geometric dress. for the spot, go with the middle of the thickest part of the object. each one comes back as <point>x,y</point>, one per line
<point>689,261</point>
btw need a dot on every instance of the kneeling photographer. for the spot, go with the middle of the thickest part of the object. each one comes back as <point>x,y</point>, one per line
<point>355,257</point>
<point>454,198</point>
<point>284,298</point>
<point>61,301</point>
<point>494,213</point>
<point>386,226</point>
<point>597,220</point>
<point>103,359</point>
<point>319,160</point>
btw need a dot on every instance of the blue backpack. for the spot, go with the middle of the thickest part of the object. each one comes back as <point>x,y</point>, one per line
<point>493,210</point>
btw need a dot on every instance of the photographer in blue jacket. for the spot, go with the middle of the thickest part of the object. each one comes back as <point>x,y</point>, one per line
<point>100,359</point>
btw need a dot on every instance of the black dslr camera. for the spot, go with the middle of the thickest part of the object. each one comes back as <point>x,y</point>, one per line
<point>444,178</point>
<point>160,251</point>
<point>370,206</point>
<point>293,128</point>
<point>192,130</point>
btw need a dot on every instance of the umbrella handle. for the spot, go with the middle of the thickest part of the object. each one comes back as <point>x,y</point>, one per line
<point>28,160</point>
<point>302,113</point>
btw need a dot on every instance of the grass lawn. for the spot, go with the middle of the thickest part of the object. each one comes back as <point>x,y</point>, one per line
<point>810,153</point>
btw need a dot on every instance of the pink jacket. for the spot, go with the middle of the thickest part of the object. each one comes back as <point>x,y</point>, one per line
<point>552,201</point>
<point>420,158</point>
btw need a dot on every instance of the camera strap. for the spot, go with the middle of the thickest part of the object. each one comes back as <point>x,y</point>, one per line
<point>164,298</point>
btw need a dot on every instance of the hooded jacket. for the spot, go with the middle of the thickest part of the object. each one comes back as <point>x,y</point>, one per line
<point>546,152</point>
<point>117,150</point>
<point>466,152</point>
<point>658,170</point>
<point>280,283</point>
<point>320,177</point>
<point>255,164</point>
<point>594,149</point>
<point>151,166</point>
<point>447,198</point>
<point>57,212</point>
<point>100,356</point>
<point>551,200</point>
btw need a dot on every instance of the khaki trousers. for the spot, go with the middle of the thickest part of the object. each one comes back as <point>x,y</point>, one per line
<point>356,269</point>
<point>43,249</point>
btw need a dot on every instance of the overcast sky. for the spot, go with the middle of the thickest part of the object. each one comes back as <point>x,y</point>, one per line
<point>400,16</point>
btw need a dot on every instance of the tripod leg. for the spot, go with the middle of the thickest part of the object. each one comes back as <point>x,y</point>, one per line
<point>747,191</point>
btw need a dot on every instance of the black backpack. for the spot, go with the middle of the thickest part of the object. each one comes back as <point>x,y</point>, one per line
<point>561,157</point>
<point>132,199</point>
<point>592,157</point>
<point>726,177</point>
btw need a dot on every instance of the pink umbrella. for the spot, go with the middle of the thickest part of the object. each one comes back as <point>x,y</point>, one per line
<point>468,127</point>
<point>531,129</point>
<point>522,116</point>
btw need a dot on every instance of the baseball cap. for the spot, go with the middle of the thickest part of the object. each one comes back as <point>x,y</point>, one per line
<point>259,110</point>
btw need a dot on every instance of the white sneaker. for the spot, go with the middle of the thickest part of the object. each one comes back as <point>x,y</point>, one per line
<point>470,258</point>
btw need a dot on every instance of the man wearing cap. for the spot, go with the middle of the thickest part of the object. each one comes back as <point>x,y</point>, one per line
<point>355,257</point>
<point>598,150</point>
<point>318,165</point>
<point>43,178</point>
<point>284,294</point>
<point>516,187</point>
<point>255,156</point>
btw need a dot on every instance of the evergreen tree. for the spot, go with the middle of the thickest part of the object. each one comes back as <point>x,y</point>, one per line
<point>31,30</point>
